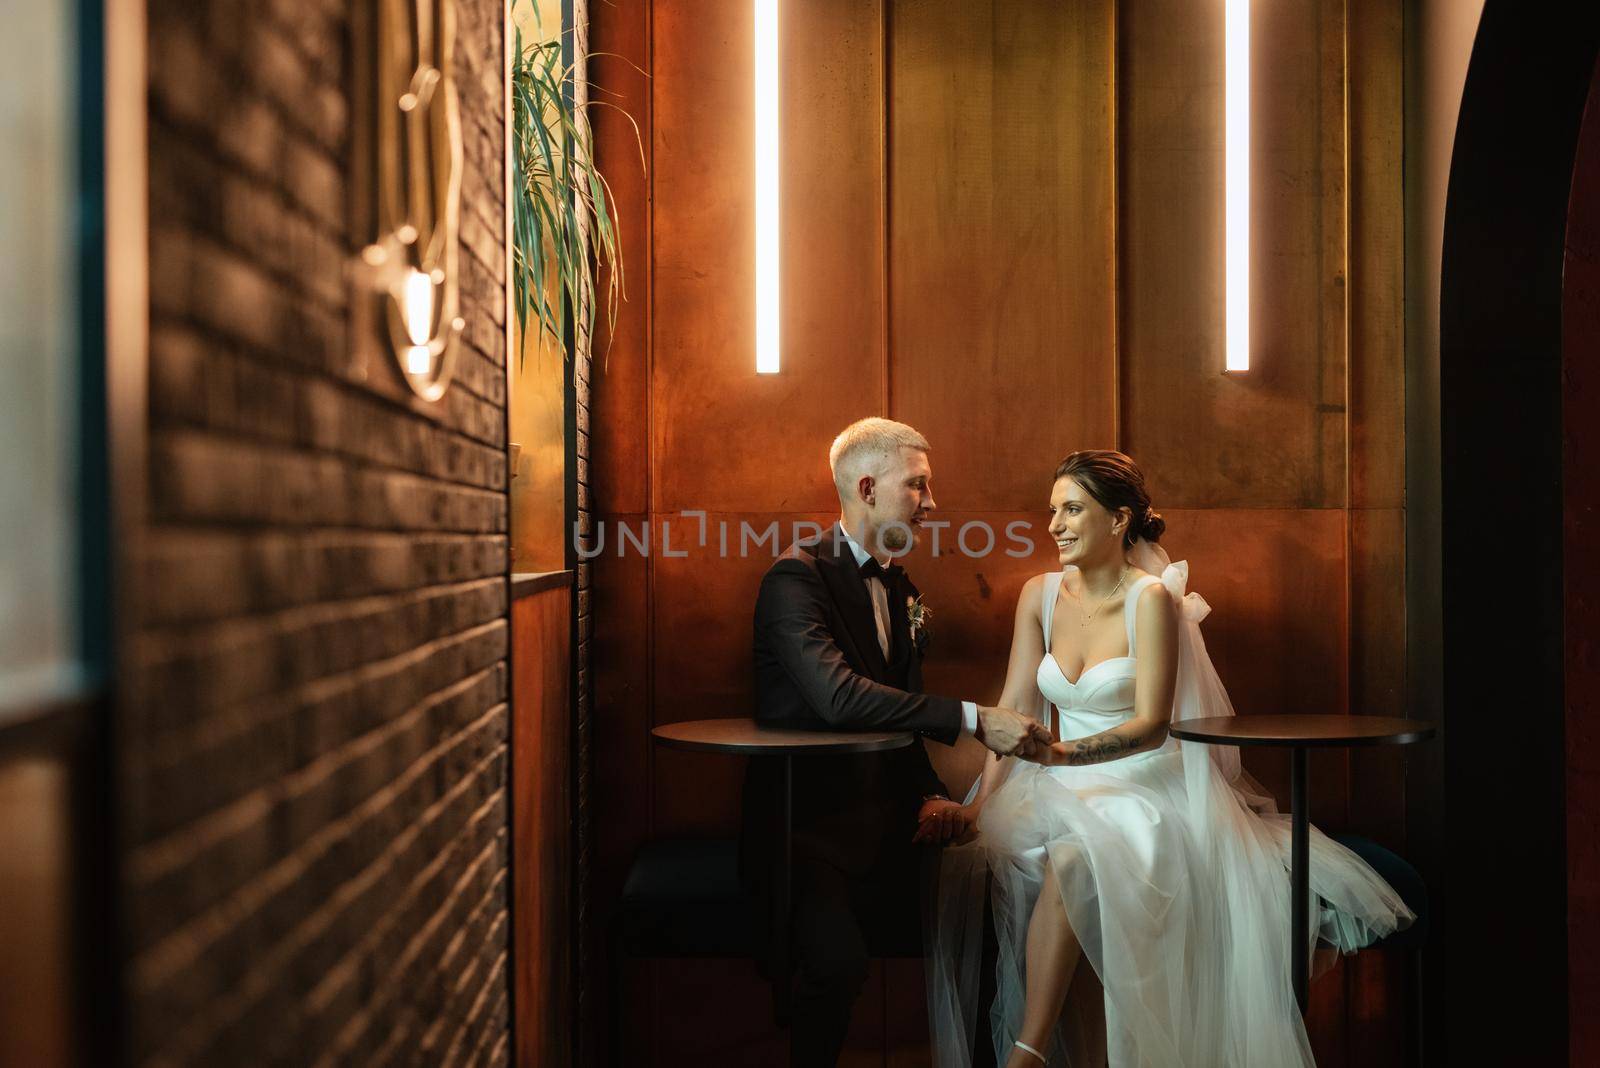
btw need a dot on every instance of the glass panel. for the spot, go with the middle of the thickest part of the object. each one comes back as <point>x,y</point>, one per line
<point>39,514</point>
<point>538,390</point>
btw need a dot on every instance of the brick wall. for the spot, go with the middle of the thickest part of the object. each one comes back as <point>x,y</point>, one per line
<point>313,755</point>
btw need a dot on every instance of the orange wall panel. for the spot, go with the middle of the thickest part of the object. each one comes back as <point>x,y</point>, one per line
<point>723,437</point>
<point>704,610</point>
<point>702,626</point>
<point>622,707</point>
<point>619,73</point>
<point>1273,437</point>
<point>1002,248</point>
<point>832,226</point>
<point>1377,258</point>
<point>542,911</point>
<point>1377,668</point>
<point>620,797</point>
<point>38,1011</point>
<point>1275,580</point>
<point>1171,255</point>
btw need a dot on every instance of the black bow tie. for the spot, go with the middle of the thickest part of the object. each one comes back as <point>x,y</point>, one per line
<point>888,575</point>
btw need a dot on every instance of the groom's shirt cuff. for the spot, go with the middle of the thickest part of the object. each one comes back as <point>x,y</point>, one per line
<point>969,717</point>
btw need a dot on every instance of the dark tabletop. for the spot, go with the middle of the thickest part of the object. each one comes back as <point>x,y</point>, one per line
<point>1304,730</point>
<point>744,736</point>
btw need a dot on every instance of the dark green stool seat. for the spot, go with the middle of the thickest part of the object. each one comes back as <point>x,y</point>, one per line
<point>1407,882</point>
<point>683,898</point>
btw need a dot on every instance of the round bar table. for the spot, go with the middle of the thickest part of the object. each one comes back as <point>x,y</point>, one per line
<point>746,737</point>
<point>1298,734</point>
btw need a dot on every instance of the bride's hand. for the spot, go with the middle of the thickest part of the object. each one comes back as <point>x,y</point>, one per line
<point>1053,755</point>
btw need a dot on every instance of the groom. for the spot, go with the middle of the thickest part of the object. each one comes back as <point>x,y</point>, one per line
<point>835,650</point>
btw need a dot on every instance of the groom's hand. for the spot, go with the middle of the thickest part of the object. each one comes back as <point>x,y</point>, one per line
<point>1010,733</point>
<point>941,820</point>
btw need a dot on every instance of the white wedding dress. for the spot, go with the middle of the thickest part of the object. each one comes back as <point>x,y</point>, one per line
<point>1173,868</point>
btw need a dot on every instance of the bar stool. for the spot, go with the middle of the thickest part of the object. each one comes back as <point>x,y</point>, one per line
<point>1413,890</point>
<point>682,899</point>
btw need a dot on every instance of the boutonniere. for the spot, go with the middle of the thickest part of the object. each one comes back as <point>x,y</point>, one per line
<point>919,614</point>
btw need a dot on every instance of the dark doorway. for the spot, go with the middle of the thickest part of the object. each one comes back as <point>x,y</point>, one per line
<point>1580,314</point>
<point>1503,869</point>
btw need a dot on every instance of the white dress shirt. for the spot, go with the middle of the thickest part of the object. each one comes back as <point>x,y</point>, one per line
<point>880,615</point>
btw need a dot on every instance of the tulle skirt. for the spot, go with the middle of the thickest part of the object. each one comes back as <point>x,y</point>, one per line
<point>1175,881</point>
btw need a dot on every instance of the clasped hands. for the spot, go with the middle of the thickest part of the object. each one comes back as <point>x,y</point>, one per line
<point>1010,733</point>
<point>1007,732</point>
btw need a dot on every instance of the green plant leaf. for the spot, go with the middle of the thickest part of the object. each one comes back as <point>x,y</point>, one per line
<point>564,227</point>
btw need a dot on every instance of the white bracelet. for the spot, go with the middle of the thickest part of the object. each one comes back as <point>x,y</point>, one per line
<point>1029,1049</point>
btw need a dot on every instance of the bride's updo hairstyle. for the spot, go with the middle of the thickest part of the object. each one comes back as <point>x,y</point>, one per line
<point>1115,481</point>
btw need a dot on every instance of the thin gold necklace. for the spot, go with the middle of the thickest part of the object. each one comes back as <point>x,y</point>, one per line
<point>1104,599</point>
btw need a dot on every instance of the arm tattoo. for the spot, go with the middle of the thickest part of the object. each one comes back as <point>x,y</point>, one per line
<point>1107,745</point>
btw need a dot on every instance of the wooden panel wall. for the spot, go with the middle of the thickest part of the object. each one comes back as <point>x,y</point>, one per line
<point>619,72</point>
<point>1002,259</point>
<point>38,1011</point>
<point>541,798</point>
<point>1002,224</point>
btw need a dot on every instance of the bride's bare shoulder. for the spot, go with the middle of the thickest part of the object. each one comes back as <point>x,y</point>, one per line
<point>1154,597</point>
<point>1032,590</point>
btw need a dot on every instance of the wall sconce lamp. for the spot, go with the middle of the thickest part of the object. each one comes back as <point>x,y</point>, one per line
<point>1236,32</point>
<point>409,154</point>
<point>766,145</point>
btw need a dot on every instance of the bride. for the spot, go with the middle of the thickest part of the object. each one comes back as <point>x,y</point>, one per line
<point>1139,887</point>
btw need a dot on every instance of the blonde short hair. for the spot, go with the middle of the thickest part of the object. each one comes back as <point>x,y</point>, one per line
<point>869,447</point>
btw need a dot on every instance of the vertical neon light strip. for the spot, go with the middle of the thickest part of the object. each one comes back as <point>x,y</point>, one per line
<point>766,64</point>
<point>1237,32</point>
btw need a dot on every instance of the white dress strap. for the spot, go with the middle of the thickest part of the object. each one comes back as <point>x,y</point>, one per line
<point>1050,590</point>
<point>1048,593</point>
<point>1130,607</point>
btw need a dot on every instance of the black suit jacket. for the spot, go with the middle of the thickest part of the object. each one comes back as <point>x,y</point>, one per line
<point>818,666</point>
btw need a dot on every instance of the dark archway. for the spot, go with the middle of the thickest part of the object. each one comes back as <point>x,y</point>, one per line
<point>1580,327</point>
<point>1504,864</point>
